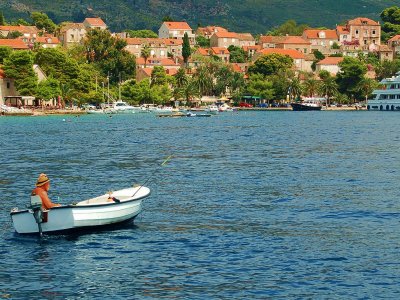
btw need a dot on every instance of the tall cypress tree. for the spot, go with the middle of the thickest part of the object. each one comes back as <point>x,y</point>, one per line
<point>186,48</point>
<point>2,20</point>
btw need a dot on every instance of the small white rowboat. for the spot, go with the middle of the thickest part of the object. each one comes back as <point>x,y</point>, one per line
<point>126,205</point>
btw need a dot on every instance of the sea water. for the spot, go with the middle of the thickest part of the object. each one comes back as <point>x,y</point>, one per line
<point>253,205</point>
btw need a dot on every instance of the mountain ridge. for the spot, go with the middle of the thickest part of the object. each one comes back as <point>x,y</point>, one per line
<point>255,16</point>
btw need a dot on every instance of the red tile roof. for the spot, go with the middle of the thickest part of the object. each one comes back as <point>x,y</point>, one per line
<point>318,34</point>
<point>209,30</point>
<point>2,74</point>
<point>342,29</point>
<point>289,52</point>
<point>330,61</point>
<point>294,40</point>
<point>203,51</point>
<point>271,39</point>
<point>178,25</point>
<point>395,38</point>
<point>13,43</point>
<point>97,22</point>
<point>219,50</point>
<point>362,21</point>
<point>247,48</point>
<point>245,37</point>
<point>21,28</point>
<point>226,34</point>
<point>47,40</point>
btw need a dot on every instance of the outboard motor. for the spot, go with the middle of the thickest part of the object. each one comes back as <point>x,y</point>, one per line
<point>36,207</point>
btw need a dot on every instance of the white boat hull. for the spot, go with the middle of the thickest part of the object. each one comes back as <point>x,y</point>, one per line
<point>88,213</point>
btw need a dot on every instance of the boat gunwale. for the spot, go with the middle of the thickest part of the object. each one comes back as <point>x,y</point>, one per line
<point>86,206</point>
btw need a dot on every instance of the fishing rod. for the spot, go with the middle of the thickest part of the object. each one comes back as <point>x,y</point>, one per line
<point>152,174</point>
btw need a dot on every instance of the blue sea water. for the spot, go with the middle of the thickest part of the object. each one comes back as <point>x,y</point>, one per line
<point>253,205</point>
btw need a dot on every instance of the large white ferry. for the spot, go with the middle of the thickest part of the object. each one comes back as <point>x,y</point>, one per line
<point>388,97</point>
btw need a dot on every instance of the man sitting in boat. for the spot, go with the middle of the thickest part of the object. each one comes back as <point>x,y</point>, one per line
<point>42,187</point>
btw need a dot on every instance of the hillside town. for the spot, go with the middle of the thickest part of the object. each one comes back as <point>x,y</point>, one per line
<point>359,37</point>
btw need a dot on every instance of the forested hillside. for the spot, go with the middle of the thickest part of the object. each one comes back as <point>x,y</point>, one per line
<point>255,16</point>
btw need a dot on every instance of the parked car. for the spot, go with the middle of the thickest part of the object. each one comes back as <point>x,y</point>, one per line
<point>244,104</point>
<point>263,105</point>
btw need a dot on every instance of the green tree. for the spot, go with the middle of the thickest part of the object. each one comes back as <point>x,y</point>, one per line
<point>19,66</point>
<point>386,68</point>
<point>365,87</point>
<point>202,41</point>
<point>328,87</point>
<point>270,64</point>
<point>4,53</point>
<point>2,19</point>
<point>167,19</point>
<point>158,76</point>
<point>310,86</point>
<point>108,54</point>
<point>352,71</point>
<point>14,34</point>
<point>144,33</point>
<point>391,18</point>
<point>181,78</point>
<point>295,89</point>
<point>236,85</point>
<point>145,53</point>
<point>43,22</point>
<point>237,54</point>
<point>48,89</point>
<point>203,80</point>
<point>290,27</point>
<point>190,91</point>
<point>186,51</point>
<point>259,86</point>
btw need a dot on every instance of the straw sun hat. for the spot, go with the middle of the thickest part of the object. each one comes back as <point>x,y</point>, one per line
<point>42,180</point>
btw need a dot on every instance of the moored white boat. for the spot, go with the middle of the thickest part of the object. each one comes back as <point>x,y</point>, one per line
<point>212,109</point>
<point>388,97</point>
<point>92,212</point>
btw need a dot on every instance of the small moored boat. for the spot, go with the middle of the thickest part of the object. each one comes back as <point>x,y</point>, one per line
<point>112,208</point>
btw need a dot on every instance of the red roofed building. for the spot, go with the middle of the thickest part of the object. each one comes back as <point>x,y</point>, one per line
<point>299,59</point>
<point>321,40</point>
<point>16,44</point>
<point>167,63</point>
<point>295,43</point>
<point>208,31</point>
<point>394,43</point>
<point>72,33</point>
<point>360,34</point>
<point>269,41</point>
<point>48,41</point>
<point>176,30</point>
<point>330,64</point>
<point>159,47</point>
<point>27,31</point>
<point>225,39</point>
<point>251,50</point>
<point>246,39</point>
<point>94,23</point>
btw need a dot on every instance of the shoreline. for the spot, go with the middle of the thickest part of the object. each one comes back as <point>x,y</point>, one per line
<point>59,112</point>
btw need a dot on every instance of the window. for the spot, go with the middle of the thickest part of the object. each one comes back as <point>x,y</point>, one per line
<point>162,52</point>
<point>356,31</point>
<point>365,42</point>
<point>305,50</point>
<point>373,32</point>
<point>8,85</point>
